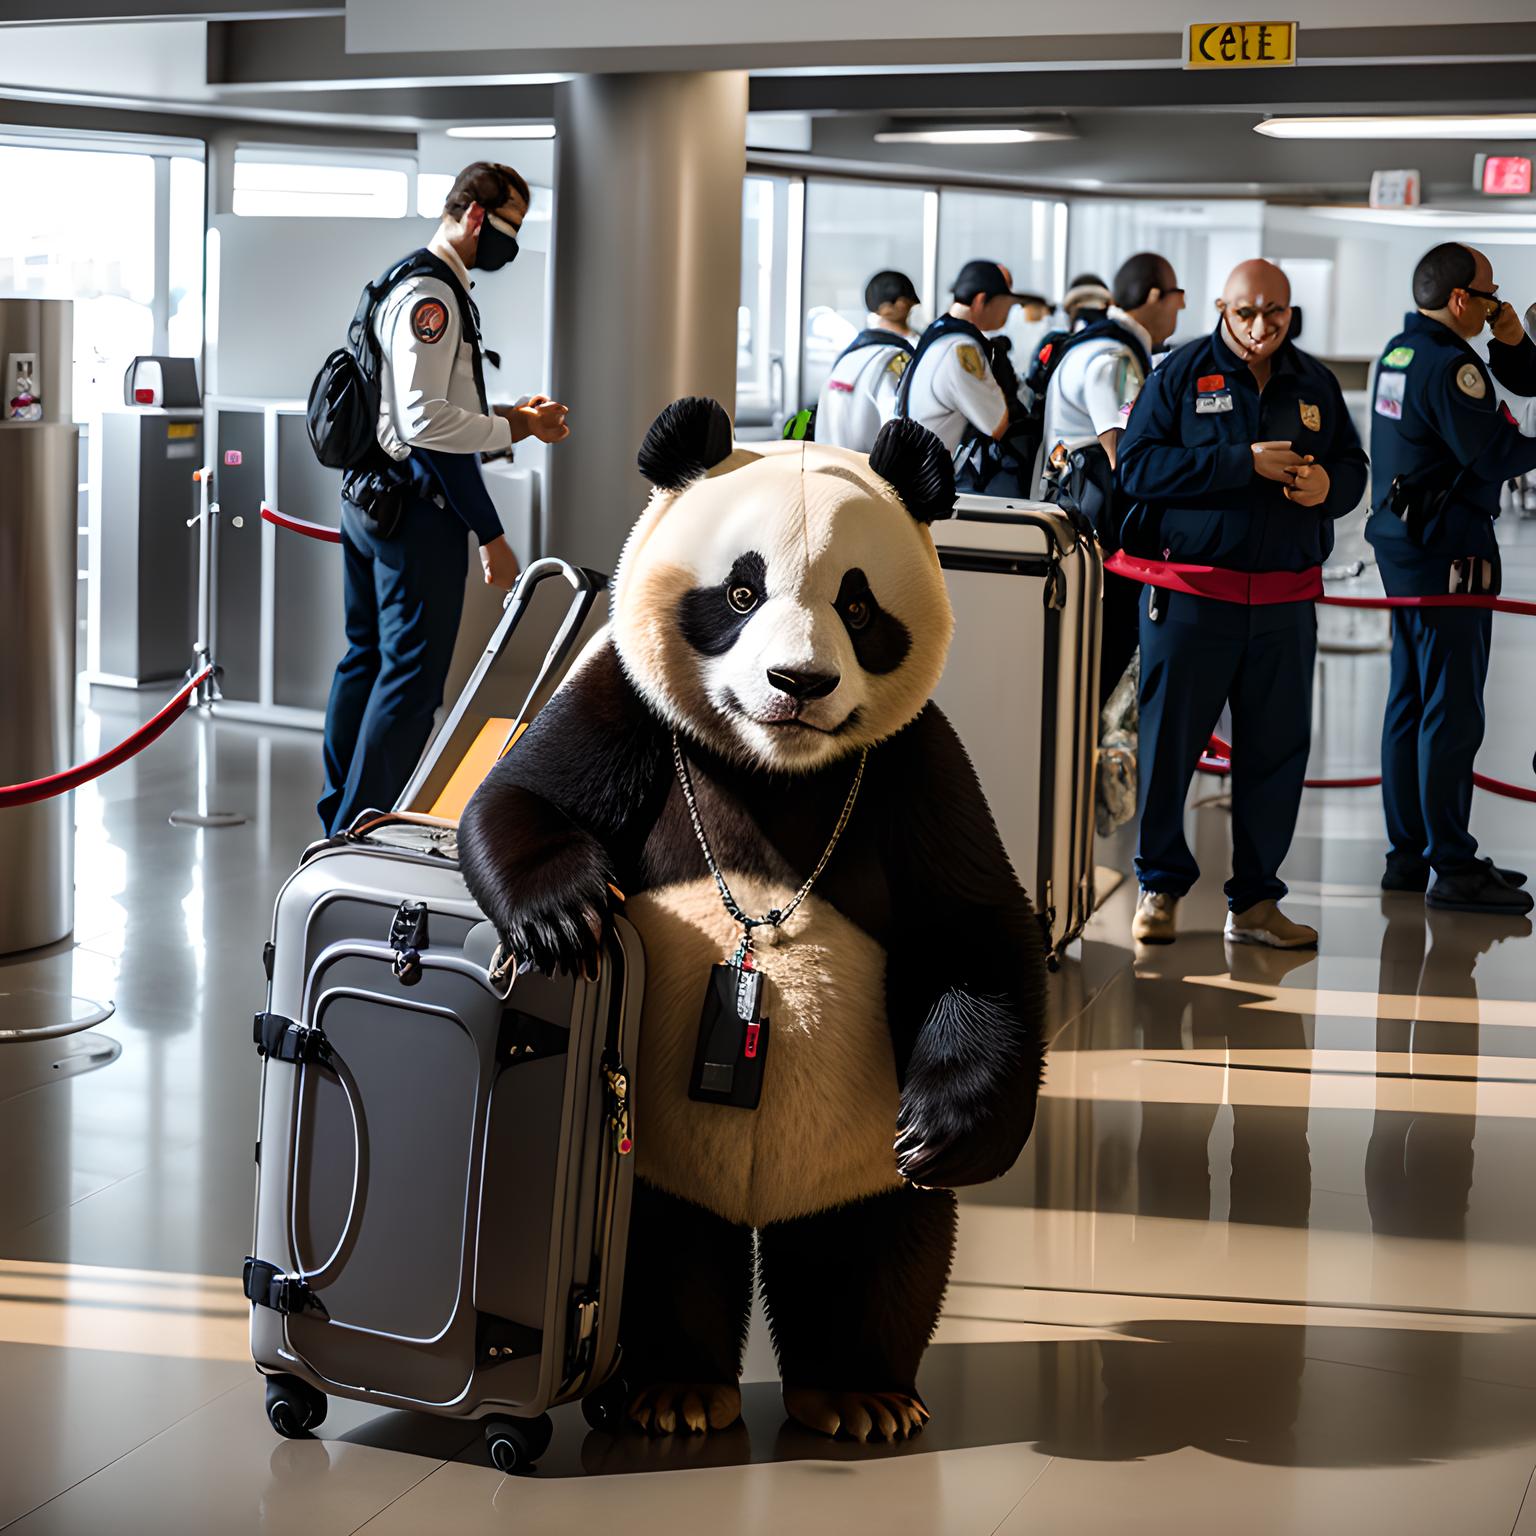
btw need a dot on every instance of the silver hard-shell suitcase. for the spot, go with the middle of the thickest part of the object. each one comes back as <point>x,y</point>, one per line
<point>1021,689</point>
<point>444,1157</point>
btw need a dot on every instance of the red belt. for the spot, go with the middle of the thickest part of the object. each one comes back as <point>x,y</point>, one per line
<point>1251,588</point>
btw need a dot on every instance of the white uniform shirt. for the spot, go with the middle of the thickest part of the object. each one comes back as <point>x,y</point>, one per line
<point>859,397</point>
<point>953,388</point>
<point>1094,387</point>
<point>427,394</point>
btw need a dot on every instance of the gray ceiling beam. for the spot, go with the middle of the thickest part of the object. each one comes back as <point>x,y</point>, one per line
<point>53,13</point>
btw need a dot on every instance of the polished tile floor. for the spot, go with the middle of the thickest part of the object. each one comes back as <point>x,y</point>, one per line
<point>1268,1265</point>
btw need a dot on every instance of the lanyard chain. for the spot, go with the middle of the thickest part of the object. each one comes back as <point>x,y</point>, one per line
<point>778,915</point>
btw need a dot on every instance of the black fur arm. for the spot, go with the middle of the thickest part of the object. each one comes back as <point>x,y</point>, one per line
<point>966,974</point>
<point>553,829</point>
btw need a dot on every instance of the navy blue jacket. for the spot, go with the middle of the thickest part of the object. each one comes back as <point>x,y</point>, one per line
<point>1434,411</point>
<point>1186,464</point>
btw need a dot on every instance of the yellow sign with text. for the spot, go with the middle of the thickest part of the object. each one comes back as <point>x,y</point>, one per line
<point>1240,45</point>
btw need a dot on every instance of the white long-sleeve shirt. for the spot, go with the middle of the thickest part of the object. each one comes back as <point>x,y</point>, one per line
<point>427,393</point>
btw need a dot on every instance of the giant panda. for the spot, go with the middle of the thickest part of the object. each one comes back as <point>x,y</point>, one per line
<point>779,613</point>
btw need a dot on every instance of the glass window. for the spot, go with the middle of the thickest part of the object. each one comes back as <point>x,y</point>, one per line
<point>761,365</point>
<point>284,184</point>
<point>47,250</point>
<point>1019,232</point>
<point>432,189</point>
<point>184,302</point>
<point>852,231</point>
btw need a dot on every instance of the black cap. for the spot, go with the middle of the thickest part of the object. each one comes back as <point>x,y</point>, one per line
<point>888,288</point>
<point>984,277</point>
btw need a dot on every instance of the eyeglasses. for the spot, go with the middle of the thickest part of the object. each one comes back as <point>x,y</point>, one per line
<point>1247,313</point>
<point>1478,293</point>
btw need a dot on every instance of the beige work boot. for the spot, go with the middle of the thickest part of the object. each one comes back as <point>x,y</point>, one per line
<point>1156,920</point>
<point>1265,923</point>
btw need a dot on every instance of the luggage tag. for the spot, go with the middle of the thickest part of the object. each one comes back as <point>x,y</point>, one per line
<point>732,1051</point>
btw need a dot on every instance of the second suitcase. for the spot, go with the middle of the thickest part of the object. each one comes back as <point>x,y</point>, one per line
<point>1021,688</point>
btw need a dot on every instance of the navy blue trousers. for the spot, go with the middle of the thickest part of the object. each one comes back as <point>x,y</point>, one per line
<point>1433,729</point>
<point>404,599</point>
<point>1202,655</point>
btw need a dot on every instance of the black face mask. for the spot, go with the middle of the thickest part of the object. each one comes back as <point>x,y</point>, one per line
<point>496,248</point>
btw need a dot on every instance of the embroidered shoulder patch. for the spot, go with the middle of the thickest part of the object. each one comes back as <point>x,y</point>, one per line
<point>1398,357</point>
<point>898,364</point>
<point>429,319</point>
<point>970,360</point>
<point>1470,381</point>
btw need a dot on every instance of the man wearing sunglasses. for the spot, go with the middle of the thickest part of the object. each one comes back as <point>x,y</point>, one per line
<point>1237,457</point>
<point>1442,446</point>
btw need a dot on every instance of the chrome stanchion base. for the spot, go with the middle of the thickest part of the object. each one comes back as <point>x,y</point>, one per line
<point>35,1015</point>
<point>206,819</point>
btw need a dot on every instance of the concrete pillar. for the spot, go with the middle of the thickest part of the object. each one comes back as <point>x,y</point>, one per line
<point>647,278</point>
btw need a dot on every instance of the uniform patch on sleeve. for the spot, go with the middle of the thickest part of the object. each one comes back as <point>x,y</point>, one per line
<point>1390,388</point>
<point>1470,381</point>
<point>898,364</point>
<point>1311,417</point>
<point>1398,357</point>
<point>970,360</point>
<point>429,319</point>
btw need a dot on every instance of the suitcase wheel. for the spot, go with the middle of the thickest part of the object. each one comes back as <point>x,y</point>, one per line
<point>604,1408</point>
<point>515,1444</point>
<point>294,1407</point>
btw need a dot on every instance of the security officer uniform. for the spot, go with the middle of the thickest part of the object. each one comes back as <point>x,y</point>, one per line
<point>1098,374</point>
<point>949,387</point>
<point>1186,467</point>
<point>1437,427</point>
<point>859,396</point>
<point>405,593</point>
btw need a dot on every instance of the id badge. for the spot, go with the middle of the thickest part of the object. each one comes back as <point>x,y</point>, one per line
<point>732,1051</point>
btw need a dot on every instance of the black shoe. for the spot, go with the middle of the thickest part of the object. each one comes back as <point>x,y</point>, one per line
<point>1406,875</point>
<point>1478,889</point>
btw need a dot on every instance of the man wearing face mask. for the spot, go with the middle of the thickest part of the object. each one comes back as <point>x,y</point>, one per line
<point>1443,446</point>
<point>1237,459</point>
<point>404,583</point>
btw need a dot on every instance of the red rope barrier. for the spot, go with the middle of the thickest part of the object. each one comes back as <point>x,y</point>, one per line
<point>82,773</point>
<point>301,525</point>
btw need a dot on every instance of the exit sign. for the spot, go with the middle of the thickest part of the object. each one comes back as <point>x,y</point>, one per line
<point>1240,45</point>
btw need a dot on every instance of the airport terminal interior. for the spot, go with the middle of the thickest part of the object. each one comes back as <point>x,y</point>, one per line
<point>1266,1262</point>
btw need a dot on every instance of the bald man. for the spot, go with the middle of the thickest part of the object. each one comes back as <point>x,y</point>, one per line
<point>1238,456</point>
<point>1440,435</point>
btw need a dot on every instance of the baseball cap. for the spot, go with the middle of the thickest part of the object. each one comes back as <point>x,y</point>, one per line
<point>985,277</point>
<point>887,288</point>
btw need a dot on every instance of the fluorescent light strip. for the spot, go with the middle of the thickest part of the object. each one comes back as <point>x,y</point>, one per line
<point>505,131</point>
<point>973,136</point>
<point>1493,126</point>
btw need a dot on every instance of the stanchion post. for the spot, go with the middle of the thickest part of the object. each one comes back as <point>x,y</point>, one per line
<point>203,661</point>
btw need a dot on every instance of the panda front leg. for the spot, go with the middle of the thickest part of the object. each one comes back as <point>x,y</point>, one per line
<point>687,1306</point>
<point>853,1296</point>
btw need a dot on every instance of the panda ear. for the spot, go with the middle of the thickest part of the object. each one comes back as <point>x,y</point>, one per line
<point>686,441</point>
<point>916,465</point>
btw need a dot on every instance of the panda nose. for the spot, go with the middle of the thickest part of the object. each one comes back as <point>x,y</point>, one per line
<point>804,686</point>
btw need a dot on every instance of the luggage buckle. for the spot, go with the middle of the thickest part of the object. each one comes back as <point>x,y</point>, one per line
<point>266,1285</point>
<point>281,1039</point>
<point>408,937</point>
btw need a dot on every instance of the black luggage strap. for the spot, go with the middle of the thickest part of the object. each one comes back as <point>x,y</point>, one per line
<point>281,1039</point>
<point>499,1339</point>
<point>267,1286</point>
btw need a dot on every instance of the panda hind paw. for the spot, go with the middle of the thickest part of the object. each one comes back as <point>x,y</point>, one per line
<point>857,1415</point>
<point>685,1407</point>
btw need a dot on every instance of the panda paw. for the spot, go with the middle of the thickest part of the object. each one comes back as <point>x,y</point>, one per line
<point>857,1415</point>
<point>551,936</point>
<point>685,1407</point>
<point>968,1102</point>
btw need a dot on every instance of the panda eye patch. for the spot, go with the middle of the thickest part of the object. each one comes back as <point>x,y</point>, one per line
<point>880,640</point>
<point>712,617</point>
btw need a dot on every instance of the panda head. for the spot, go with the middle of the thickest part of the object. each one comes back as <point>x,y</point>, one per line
<point>782,603</point>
